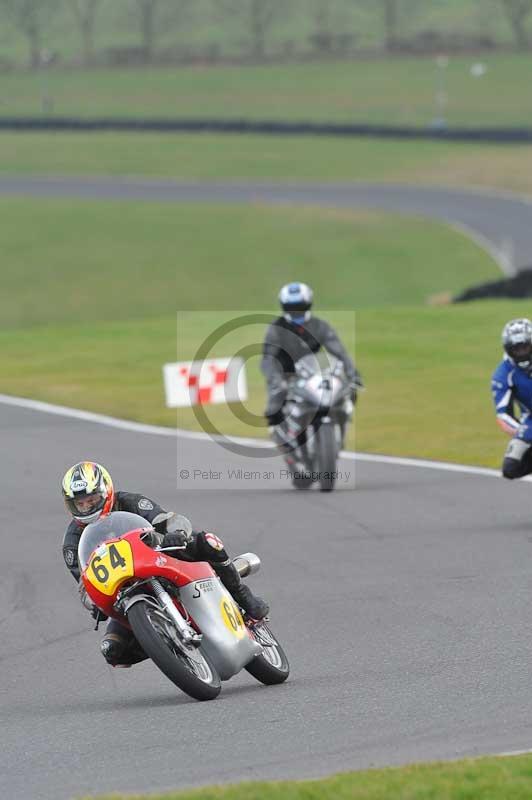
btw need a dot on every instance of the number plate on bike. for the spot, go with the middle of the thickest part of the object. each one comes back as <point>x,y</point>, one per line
<point>109,566</point>
<point>232,618</point>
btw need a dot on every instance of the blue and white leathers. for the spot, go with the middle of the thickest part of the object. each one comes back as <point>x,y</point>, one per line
<point>512,385</point>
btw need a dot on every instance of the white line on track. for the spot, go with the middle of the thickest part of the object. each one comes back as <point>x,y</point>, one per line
<point>157,430</point>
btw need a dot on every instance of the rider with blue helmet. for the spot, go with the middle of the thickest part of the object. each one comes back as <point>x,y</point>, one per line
<point>293,335</point>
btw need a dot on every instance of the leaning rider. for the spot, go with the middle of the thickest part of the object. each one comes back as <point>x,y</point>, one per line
<point>89,494</point>
<point>512,385</point>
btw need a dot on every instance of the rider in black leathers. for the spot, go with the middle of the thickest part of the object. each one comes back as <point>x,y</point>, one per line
<point>88,493</point>
<point>290,337</point>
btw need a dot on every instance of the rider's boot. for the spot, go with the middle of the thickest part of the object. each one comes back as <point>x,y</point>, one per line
<point>280,438</point>
<point>287,447</point>
<point>256,607</point>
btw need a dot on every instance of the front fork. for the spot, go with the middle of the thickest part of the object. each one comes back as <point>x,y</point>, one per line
<point>186,633</point>
<point>286,439</point>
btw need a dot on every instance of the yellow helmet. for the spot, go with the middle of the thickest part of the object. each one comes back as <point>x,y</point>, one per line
<point>88,491</point>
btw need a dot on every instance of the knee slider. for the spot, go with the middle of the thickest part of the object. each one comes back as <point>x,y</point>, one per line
<point>511,469</point>
<point>113,648</point>
<point>517,459</point>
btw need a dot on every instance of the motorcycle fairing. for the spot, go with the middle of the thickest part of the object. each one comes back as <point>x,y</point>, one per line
<point>110,566</point>
<point>226,639</point>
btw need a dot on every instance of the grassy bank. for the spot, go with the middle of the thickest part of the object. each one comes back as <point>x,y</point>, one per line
<point>427,373</point>
<point>205,156</point>
<point>479,779</point>
<point>399,90</point>
<point>122,261</point>
<point>89,295</point>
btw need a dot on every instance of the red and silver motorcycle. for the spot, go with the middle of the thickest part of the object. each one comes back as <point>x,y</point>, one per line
<point>183,617</point>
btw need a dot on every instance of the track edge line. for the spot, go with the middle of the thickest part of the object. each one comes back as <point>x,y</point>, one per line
<point>159,430</point>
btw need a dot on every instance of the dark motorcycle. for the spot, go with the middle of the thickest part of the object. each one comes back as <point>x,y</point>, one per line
<point>318,407</point>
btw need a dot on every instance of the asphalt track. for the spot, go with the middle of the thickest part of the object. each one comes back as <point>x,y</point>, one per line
<point>403,603</point>
<point>500,222</point>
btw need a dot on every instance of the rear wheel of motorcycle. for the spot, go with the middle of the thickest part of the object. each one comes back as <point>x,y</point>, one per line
<point>272,665</point>
<point>193,674</point>
<point>326,457</point>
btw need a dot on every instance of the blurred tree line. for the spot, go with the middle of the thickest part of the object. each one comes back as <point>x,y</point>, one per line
<point>134,29</point>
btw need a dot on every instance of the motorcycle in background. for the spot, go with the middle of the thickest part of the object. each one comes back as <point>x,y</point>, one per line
<point>318,407</point>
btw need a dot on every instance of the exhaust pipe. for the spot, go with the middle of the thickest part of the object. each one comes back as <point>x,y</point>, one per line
<point>247,564</point>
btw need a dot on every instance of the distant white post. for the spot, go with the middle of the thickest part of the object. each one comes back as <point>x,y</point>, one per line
<point>439,121</point>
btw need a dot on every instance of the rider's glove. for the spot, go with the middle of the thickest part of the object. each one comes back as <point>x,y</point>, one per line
<point>177,539</point>
<point>356,380</point>
<point>176,528</point>
<point>276,399</point>
<point>355,384</point>
<point>353,392</point>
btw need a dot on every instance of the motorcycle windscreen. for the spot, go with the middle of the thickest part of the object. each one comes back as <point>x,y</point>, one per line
<point>307,366</point>
<point>112,526</point>
<point>321,363</point>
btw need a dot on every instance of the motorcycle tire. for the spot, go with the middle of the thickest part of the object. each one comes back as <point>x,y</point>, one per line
<point>170,658</point>
<point>271,666</point>
<point>326,457</point>
<point>301,482</point>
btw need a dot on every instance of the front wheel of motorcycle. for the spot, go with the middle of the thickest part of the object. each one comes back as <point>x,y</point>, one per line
<point>327,452</point>
<point>187,667</point>
<point>303,481</point>
<point>271,666</point>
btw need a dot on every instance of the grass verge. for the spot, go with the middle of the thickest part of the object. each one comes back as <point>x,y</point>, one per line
<point>471,779</point>
<point>89,294</point>
<point>121,261</point>
<point>229,157</point>
<point>427,373</point>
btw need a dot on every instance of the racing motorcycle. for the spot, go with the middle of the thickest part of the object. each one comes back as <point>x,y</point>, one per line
<point>181,614</point>
<point>317,409</point>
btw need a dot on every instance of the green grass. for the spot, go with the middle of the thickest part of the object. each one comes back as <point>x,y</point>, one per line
<point>204,157</point>
<point>417,364</point>
<point>89,293</point>
<point>119,261</point>
<point>478,779</point>
<point>399,91</point>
